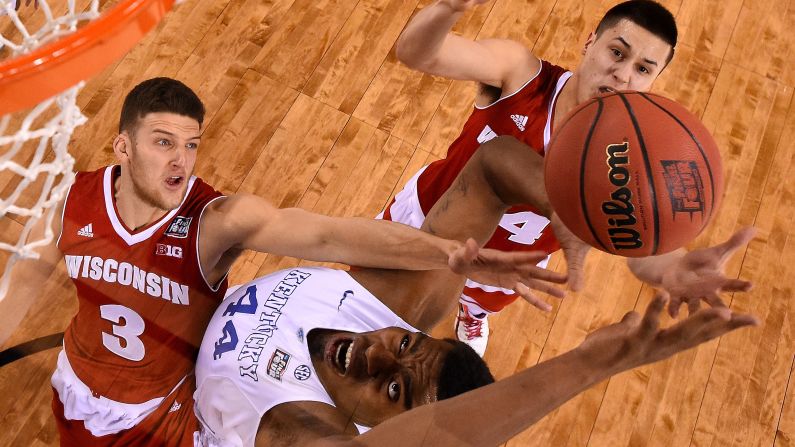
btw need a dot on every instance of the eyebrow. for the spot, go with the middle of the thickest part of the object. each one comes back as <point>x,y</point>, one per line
<point>419,340</point>
<point>648,61</point>
<point>197,137</point>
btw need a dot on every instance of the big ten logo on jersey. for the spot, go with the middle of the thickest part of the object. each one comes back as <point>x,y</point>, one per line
<point>525,227</point>
<point>179,227</point>
<point>168,250</point>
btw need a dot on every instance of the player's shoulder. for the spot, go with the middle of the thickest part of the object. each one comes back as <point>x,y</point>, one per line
<point>519,61</point>
<point>94,177</point>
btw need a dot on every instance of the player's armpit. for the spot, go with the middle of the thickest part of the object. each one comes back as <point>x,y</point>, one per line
<point>225,226</point>
<point>305,424</point>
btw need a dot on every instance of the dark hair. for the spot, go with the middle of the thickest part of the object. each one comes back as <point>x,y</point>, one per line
<point>159,95</point>
<point>463,370</point>
<point>647,14</point>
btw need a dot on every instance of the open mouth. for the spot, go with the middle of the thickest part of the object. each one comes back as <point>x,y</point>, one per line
<point>342,356</point>
<point>604,90</point>
<point>174,181</point>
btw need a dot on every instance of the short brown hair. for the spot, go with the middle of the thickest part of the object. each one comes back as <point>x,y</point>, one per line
<point>159,95</point>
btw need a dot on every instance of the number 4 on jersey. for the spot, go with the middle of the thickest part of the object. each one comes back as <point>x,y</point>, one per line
<point>247,304</point>
<point>525,227</point>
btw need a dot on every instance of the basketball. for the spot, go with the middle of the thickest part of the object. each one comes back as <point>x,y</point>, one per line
<point>634,174</point>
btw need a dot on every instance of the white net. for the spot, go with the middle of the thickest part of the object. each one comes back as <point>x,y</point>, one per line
<point>36,168</point>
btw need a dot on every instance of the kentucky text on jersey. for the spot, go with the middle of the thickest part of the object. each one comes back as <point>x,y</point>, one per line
<point>257,340</point>
<point>126,274</point>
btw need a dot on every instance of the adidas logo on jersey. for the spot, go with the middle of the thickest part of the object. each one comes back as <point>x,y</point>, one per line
<point>520,121</point>
<point>87,231</point>
<point>175,407</point>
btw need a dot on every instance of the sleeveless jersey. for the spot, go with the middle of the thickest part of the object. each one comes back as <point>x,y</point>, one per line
<point>143,300</point>
<point>527,115</point>
<point>255,355</point>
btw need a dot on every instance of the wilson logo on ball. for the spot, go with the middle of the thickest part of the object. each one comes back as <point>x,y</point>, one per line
<point>622,235</point>
<point>633,173</point>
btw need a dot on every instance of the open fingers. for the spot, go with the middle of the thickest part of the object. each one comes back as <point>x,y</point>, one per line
<point>532,298</point>
<point>714,300</point>
<point>542,274</point>
<point>693,305</point>
<point>736,285</point>
<point>699,327</point>
<point>673,305</point>
<point>508,261</point>
<point>651,318</point>
<point>542,286</point>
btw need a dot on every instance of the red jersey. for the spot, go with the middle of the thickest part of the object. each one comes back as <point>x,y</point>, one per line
<point>143,301</point>
<point>526,115</point>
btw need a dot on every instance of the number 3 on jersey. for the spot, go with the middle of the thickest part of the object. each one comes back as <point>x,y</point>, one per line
<point>525,227</point>
<point>133,326</point>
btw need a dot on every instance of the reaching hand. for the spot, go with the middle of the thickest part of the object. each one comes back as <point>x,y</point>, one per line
<point>510,270</point>
<point>699,275</point>
<point>574,250</point>
<point>636,340</point>
<point>462,5</point>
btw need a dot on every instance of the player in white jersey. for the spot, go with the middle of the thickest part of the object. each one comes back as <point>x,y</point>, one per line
<point>311,356</point>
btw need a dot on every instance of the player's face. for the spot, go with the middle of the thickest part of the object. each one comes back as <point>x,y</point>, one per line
<point>624,57</point>
<point>374,376</point>
<point>162,158</point>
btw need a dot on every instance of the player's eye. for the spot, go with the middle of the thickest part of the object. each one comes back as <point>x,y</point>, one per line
<point>404,343</point>
<point>617,52</point>
<point>192,146</point>
<point>163,142</point>
<point>643,69</point>
<point>393,390</point>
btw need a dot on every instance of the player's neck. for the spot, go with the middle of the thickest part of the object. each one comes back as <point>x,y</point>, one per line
<point>133,211</point>
<point>567,99</point>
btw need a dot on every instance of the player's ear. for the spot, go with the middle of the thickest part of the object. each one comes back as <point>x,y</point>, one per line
<point>589,42</point>
<point>122,146</point>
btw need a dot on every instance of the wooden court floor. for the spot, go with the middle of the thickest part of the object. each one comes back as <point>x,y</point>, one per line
<point>307,106</point>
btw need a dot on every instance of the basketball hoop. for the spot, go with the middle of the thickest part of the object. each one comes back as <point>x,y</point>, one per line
<point>43,73</point>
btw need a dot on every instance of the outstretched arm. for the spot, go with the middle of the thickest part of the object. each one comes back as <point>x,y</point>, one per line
<point>504,172</point>
<point>690,277</point>
<point>509,406</point>
<point>501,173</point>
<point>427,45</point>
<point>242,222</point>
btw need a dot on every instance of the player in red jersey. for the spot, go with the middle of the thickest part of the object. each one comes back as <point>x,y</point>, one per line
<point>526,97</point>
<point>148,247</point>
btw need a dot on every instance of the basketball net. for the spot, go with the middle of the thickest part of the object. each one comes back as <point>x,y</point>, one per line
<point>65,49</point>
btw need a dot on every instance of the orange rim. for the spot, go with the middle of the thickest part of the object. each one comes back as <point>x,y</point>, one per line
<point>31,78</point>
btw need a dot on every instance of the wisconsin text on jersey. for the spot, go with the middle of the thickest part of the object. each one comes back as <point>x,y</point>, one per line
<point>126,274</point>
<point>255,342</point>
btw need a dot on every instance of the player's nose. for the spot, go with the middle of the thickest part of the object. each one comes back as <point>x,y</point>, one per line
<point>621,75</point>
<point>179,157</point>
<point>380,361</point>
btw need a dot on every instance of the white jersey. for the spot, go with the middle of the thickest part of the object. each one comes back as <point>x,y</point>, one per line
<point>255,355</point>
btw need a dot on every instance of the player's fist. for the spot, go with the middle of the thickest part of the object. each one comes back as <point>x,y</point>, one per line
<point>461,5</point>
